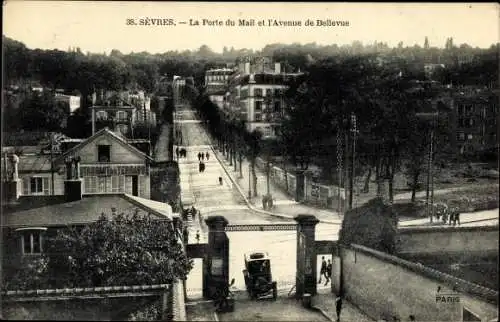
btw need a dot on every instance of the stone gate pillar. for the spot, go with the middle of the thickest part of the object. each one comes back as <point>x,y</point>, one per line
<point>305,281</point>
<point>216,269</point>
<point>299,185</point>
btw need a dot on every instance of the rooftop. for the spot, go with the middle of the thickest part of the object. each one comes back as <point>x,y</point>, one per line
<point>35,211</point>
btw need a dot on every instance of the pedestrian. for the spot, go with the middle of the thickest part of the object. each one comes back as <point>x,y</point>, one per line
<point>202,167</point>
<point>328,271</point>
<point>322,271</point>
<point>198,236</point>
<point>202,156</point>
<point>445,216</point>
<point>207,155</point>
<point>338,306</point>
<point>177,152</point>
<point>199,167</point>
<point>457,217</point>
<point>199,156</point>
<point>220,181</point>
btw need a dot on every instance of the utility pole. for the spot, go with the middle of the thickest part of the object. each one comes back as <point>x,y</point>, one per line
<point>429,171</point>
<point>52,163</point>
<point>346,165</point>
<point>339,169</point>
<point>353,156</point>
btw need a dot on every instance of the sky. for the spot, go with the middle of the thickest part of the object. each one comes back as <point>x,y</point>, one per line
<point>101,26</point>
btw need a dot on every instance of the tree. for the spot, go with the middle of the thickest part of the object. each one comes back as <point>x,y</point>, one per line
<point>117,250</point>
<point>41,112</point>
<point>253,142</point>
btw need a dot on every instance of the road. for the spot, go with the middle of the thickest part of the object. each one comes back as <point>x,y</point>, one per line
<point>211,198</point>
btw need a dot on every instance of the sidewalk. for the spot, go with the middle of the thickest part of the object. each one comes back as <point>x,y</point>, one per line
<point>325,302</point>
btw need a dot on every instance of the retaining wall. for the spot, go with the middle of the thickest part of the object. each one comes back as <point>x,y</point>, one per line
<point>388,287</point>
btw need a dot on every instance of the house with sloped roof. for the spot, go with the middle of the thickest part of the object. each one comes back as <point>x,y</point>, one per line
<point>28,220</point>
<point>108,164</point>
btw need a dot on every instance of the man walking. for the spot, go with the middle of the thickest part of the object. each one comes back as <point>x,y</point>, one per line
<point>338,306</point>
<point>199,156</point>
<point>323,269</point>
<point>177,152</point>
<point>328,271</point>
<point>207,155</point>
<point>202,156</point>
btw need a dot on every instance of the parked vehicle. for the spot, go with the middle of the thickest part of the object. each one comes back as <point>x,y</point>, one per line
<point>258,277</point>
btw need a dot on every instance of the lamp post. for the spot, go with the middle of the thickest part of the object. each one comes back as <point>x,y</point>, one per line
<point>269,165</point>
<point>249,181</point>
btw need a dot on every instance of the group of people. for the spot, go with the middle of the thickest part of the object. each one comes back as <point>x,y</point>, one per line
<point>202,156</point>
<point>180,152</point>
<point>450,216</point>
<point>326,270</point>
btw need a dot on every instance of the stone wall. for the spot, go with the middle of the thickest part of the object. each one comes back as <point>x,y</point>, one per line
<point>387,287</point>
<point>447,240</point>
<point>144,302</point>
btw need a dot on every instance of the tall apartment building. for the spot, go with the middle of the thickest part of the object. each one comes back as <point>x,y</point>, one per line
<point>475,120</point>
<point>216,85</point>
<point>255,95</point>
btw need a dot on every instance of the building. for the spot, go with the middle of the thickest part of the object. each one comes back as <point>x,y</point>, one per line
<point>108,164</point>
<point>430,69</point>
<point>255,95</point>
<point>121,111</point>
<point>216,84</point>
<point>28,221</point>
<point>475,120</point>
<point>71,102</point>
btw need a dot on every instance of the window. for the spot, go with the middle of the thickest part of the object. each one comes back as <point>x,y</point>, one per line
<point>461,136</point>
<point>102,115</point>
<point>117,183</point>
<point>258,117</point>
<point>277,107</point>
<point>258,106</point>
<point>31,242</point>
<point>257,92</point>
<point>267,131</point>
<point>469,137</point>
<point>269,92</point>
<point>104,184</point>
<point>103,153</point>
<point>90,184</point>
<point>39,185</point>
<point>121,116</point>
<point>277,92</point>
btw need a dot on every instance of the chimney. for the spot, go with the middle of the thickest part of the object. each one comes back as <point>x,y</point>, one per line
<point>277,68</point>
<point>73,185</point>
<point>11,187</point>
